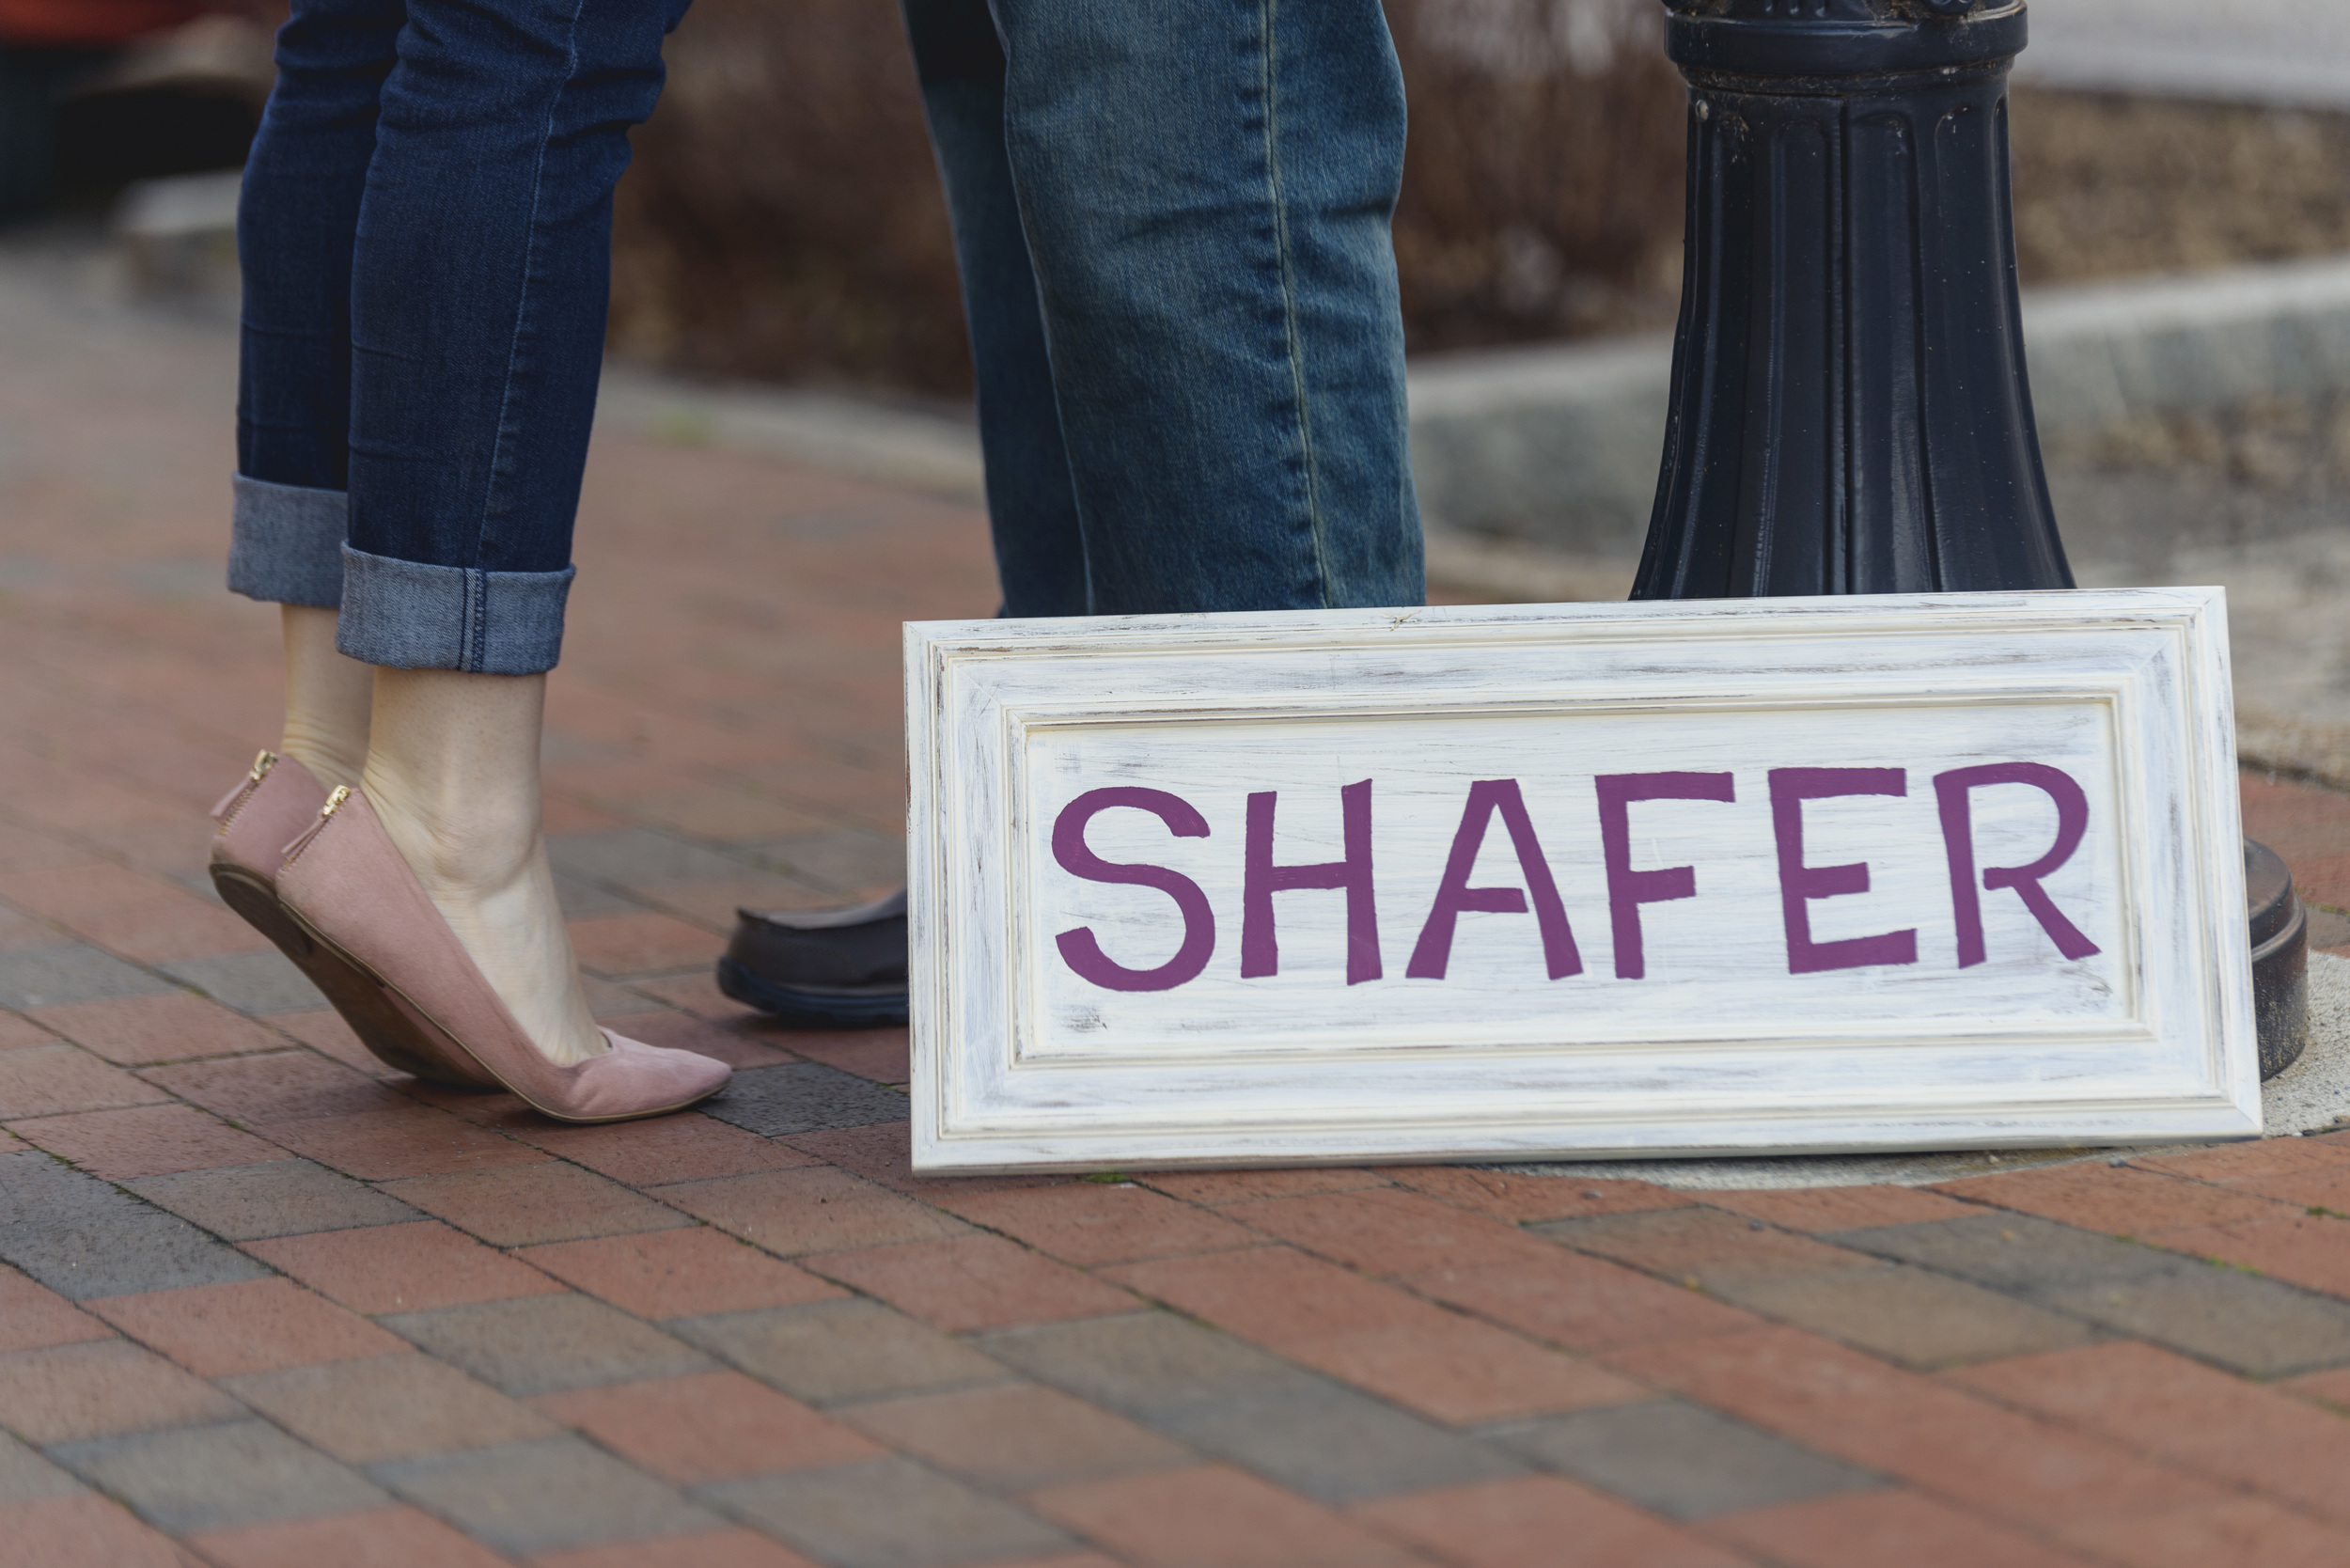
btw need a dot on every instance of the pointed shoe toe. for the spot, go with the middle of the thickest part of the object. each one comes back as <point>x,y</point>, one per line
<point>345,884</point>
<point>634,1073</point>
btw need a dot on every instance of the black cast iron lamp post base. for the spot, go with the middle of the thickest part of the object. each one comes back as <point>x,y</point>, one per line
<point>1850,408</point>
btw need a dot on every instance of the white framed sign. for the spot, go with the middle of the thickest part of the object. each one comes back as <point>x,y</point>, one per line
<point>1870,872</point>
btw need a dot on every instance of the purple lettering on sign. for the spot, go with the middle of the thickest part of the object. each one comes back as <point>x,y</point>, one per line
<point>1455,897</point>
<point>1798,884</point>
<point>1078,948</point>
<point>1259,949</point>
<point>1958,841</point>
<point>1627,889</point>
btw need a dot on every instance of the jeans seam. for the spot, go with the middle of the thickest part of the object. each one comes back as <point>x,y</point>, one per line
<point>521,301</point>
<point>471,647</point>
<point>1289,295</point>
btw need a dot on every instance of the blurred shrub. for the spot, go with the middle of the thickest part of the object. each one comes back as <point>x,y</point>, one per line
<point>783,218</point>
<point>2107,184</point>
<point>1542,186</point>
<point>784,221</point>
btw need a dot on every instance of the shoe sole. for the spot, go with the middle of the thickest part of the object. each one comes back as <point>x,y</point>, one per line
<point>419,1035</point>
<point>811,1009</point>
<point>363,1004</point>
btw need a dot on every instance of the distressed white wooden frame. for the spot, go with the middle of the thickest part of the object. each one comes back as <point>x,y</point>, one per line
<point>2174,1061</point>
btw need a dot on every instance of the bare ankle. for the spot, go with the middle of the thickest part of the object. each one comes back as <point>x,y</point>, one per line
<point>462,849</point>
<point>330,762</point>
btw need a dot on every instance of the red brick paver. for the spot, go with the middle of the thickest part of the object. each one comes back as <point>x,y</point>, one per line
<point>138,1031</point>
<point>147,1140</point>
<point>33,1317</point>
<point>401,1268</point>
<point>372,1538</point>
<point>258,1326</point>
<point>968,1282</point>
<point>1214,1518</point>
<point>84,1531</point>
<point>712,1426</point>
<point>1446,1364</point>
<point>669,1273</point>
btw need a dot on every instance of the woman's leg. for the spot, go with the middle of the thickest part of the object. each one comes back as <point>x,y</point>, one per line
<point>328,697</point>
<point>303,185</point>
<point>479,290</point>
<point>453,774</point>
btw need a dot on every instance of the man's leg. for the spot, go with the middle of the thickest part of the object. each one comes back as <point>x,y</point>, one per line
<point>1032,510</point>
<point>1207,413</point>
<point>1206,187</point>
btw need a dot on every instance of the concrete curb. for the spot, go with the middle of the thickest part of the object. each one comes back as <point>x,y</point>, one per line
<point>1560,445</point>
<point>886,443</point>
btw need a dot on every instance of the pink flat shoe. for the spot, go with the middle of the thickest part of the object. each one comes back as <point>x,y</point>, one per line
<point>345,886</point>
<point>277,802</point>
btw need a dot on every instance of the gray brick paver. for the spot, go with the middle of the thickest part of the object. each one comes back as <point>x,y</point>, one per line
<point>1682,1460</point>
<point>200,1478</point>
<point>26,1477</point>
<point>59,975</point>
<point>849,858</point>
<point>2241,1321</point>
<point>84,1238</point>
<point>546,1496</point>
<point>282,1197</point>
<point>1911,1315</point>
<point>1230,1400</point>
<point>804,1097</point>
<point>256,984</point>
<point>834,1352</point>
<point>545,1344</point>
<point>2249,1325</point>
<point>397,1406</point>
<point>639,856</point>
<point>885,1514</point>
<point>2018,1254</point>
<point>585,901</point>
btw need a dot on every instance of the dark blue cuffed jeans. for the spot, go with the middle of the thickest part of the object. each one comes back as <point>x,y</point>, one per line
<point>1172,219</point>
<point>426,239</point>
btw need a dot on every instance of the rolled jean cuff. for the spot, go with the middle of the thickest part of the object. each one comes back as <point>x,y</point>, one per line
<point>408,614</point>
<point>286,544</point>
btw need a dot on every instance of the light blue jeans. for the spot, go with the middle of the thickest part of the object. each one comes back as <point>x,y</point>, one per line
<point>1173,223</point>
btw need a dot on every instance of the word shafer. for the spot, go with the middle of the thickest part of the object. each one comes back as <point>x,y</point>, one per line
<point>1628,889</point>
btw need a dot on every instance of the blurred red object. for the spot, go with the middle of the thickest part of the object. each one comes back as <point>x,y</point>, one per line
<point>92,22</point>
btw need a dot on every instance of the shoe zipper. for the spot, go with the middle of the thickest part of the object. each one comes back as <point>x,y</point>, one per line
<point>226,810</point>
<point>293,851</point>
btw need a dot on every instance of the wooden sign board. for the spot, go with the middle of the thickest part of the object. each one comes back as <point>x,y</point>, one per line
<point>1930,872</point>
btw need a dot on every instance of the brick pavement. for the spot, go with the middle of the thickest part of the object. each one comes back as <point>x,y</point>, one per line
<point>265,1304</point>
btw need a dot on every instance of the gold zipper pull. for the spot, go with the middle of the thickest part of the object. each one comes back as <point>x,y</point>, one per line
<point>343,793</point>
<point>261,765</point>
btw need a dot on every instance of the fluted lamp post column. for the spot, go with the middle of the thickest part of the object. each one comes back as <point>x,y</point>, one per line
<point>1850,408</point>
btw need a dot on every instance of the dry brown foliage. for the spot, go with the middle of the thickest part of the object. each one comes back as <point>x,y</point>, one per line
<point>1541,185</point>
<point>783,218</point>
<point>2107,184</point>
